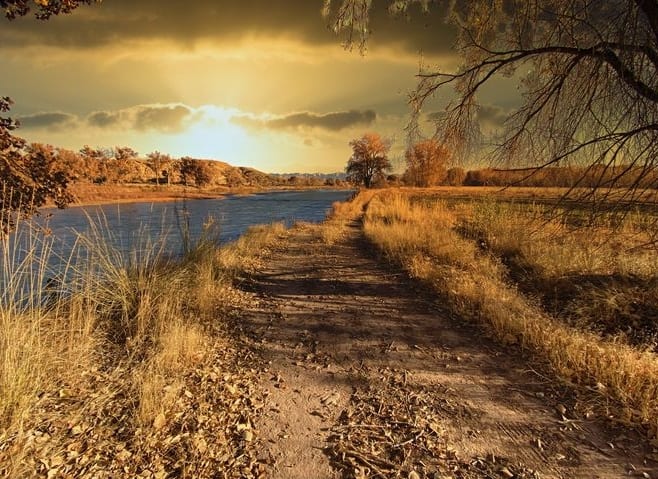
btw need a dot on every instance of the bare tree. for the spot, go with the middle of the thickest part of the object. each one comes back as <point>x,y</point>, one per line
<point>426,163</point>
<point>588,75</point>
<point>369,159</point>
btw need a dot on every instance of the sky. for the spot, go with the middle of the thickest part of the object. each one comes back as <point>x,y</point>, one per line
<point>259,83</point>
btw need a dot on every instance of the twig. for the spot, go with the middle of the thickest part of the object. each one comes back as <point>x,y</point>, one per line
<point>409,441</point>
<point>360,455</point>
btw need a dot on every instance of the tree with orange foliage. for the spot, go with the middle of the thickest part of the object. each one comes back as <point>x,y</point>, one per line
<point>369,159</point>
<point>121,162</point>
<point>44,9</point>
<point>426,163</point>
<point>28,178</point>
<point>159,163</point>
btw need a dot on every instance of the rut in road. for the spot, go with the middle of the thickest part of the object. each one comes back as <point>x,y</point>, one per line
<point>338,326</point>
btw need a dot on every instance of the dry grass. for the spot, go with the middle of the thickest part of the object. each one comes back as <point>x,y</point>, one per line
<point>37,340</point>
<point>142,320</point>
<point>427,239</point>
<point>243,254</point>
<point>597,277</point>
<point>341,214</point>
<point>526,194</point>
<point>158,381</point>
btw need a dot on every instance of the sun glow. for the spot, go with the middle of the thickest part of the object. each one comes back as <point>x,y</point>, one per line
<point>213,135</point>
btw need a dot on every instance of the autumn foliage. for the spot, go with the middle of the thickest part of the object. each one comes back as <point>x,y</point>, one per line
<point>369,159</point>
<point>426,163</point>
<point>28,176</point>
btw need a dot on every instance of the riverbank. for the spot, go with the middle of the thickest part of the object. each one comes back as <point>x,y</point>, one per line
<point>131,368</point>
<point>86,194</point>
<point>89,194</point>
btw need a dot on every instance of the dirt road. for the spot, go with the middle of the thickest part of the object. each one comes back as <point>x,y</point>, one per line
<point>371,377</point>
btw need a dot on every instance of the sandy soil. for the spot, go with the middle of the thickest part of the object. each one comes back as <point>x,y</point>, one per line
<point>355,345</point>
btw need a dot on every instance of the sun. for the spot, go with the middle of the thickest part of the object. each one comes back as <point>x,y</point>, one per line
<point>211,134</point>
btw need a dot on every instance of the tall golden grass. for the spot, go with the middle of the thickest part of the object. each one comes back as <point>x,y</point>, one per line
<point>342,213</point>
<point>144,311</point>
<point>427,239</point>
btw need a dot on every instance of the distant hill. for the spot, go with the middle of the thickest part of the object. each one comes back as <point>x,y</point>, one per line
<point>140,170</point>
<point>121,165</point>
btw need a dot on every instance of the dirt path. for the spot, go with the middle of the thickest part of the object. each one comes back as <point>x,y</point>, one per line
<point>357,350</point>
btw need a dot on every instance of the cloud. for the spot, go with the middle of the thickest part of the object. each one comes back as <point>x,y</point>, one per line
<point>166,118</point>
<point>436,115</point>
<point>186,23</point>
<point>333,121</point>
<point>48,120</point>
<point>491,116</point>
<point>103,119</point>
<point>162,118</point>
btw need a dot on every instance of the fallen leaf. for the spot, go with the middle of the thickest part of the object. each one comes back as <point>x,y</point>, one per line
<point>505,472</point>
<point>159,421</point>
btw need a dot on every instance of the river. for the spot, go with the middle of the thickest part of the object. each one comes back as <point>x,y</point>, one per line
<point>136,229</point>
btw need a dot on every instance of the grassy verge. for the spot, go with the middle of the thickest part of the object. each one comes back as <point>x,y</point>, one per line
<point>595,277</point>
<point>426,238</point>
<point>342,213</point>
<point>124,364</point>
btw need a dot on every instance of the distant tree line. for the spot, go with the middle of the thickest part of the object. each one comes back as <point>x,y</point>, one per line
<point>562,177</point>
<point>122,165</point>
<point>428,164</point>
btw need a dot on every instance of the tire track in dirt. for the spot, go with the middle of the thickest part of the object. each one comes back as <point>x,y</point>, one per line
<point>332,320</point>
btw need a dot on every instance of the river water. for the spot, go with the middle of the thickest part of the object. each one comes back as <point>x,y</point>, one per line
<point>232,214</point>
<point>136,229</point>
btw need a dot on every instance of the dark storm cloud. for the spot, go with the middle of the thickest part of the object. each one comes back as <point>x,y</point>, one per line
<point>164,118</point>
<point>113,22</point>
<point>48,120</point>
<point>333,121</point>
<point>488,115</point>
<point>436,115</point>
